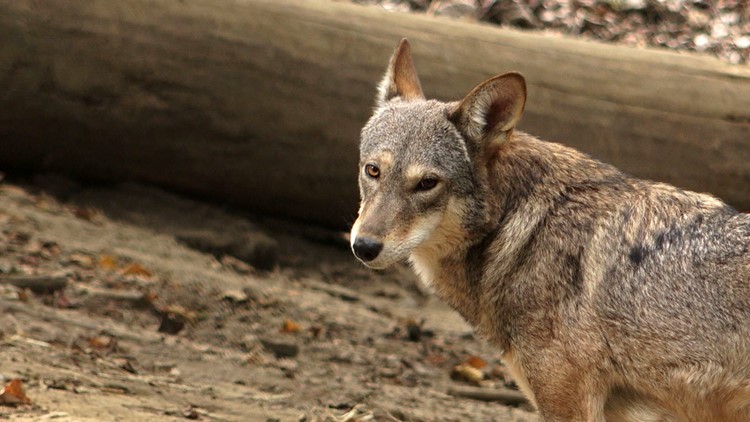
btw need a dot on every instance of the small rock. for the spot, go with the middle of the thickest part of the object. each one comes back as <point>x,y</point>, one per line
<point>288,366</point>
<point>235,296</point>
<point>697,18</point>
<point>734,57</point>
<point>79,389</point>
<point>622,5</point>
<point>280,349</point>
<point>249,341</point>
<point>389,372</point>
<point>702,42</point>
<point>719,30</point>
<point>742,42</point>
<point>415,331</point>
<point>171,323</point>
<point>455,10</point>
<point>125,365</point>
<point>515,13</point>
<point>194,413</point>
<point>81,260</point>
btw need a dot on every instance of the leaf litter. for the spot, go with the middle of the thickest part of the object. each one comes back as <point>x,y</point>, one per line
<point>719,28</point>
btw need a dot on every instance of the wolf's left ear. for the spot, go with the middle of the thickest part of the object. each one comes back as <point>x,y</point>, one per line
<point>489,113</point>
<point>401,78</point>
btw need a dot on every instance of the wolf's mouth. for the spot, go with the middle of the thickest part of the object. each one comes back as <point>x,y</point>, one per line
<point>377,264</point>
<point>372,266</point>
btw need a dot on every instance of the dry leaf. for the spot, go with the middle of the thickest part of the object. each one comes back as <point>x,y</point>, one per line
<point>476,362</point>
<point>150,298</point>
<point>82,260</point>
<point>13,393</point>
<point>136,269</point>
<point>435,359</point>
<point>467,373</point>
<point>290,327</point>
<point>101,342</point>
<point>23,295</point>
<point>108,262</point>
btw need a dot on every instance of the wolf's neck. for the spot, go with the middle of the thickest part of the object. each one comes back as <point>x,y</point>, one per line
<point>455,277</point>
<point>520,192</point>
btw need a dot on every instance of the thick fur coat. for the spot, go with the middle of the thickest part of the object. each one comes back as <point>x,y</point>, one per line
<point>609,297</point>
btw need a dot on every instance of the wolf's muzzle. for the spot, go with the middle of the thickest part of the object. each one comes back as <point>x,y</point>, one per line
<point>366,248</point>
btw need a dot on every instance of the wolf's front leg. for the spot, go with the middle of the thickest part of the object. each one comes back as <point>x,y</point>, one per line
<point>563,393</point>
<point>556,403</point>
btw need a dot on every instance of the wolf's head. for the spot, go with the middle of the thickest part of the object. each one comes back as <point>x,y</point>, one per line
<point>424,164</point>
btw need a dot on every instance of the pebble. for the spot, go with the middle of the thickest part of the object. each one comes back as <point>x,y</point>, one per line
<point>280,349</point>
<point>742,42</point>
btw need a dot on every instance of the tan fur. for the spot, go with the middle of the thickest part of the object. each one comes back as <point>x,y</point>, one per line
<point>608,297</point>
<point>414,173</point>
<point>436,252</point>
<point>517,373</point>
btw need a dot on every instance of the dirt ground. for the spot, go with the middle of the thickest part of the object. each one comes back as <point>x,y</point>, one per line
<point>141,305</point>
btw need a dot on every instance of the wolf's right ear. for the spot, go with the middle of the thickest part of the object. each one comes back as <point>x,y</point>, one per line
<point>401,78</point>
<point>488,114</point>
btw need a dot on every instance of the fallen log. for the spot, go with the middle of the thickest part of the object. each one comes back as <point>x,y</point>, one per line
<point>259,103</point>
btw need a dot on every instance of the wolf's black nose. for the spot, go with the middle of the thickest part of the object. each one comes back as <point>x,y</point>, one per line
<point>366,248</point>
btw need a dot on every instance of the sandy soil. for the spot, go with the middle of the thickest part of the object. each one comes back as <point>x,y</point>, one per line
<point>165,312</point>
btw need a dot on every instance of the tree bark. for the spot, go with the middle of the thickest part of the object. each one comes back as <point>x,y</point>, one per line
<point>259,103</point>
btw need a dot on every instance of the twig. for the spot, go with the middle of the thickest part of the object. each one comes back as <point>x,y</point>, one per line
<point>36,283</point>
<point>28,340</point>
<point>111,294</point>
<point>505,396</point>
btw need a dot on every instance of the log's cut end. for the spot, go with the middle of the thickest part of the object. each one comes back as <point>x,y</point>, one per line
<point>259,103</point>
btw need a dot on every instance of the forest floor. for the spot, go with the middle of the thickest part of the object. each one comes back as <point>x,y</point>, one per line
<point>719,28</point>
<point>126,303</point>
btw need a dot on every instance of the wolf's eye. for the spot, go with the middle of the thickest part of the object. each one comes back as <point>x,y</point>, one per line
<point>372,170</point>
<point>427,183</point>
